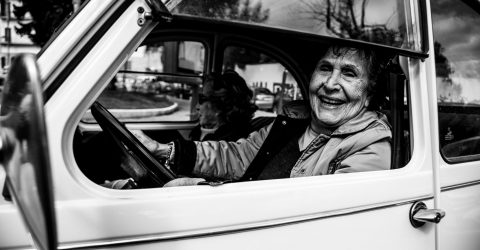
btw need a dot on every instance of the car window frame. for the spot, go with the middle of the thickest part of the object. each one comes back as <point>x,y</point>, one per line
<point>217,41</point>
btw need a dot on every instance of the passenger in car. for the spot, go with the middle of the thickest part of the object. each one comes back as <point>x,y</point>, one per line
<point>225,108</point>
<point>340,132</point>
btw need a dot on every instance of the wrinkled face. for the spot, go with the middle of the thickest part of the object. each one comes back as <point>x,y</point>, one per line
<point>338,89</point>
<point>208,115</point>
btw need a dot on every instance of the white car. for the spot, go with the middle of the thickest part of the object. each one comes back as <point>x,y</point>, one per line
<point>56,160</point>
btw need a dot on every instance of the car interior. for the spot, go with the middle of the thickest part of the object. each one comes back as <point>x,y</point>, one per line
<point>171,65</point>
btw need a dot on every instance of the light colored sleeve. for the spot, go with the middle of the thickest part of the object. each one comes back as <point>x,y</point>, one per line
<point>376,156</point>
<point>228,160</point>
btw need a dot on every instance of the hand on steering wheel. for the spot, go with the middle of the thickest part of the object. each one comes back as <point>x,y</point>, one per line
<point>141,165</point>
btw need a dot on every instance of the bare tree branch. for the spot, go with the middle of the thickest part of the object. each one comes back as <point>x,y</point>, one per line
<point>364,5</point>
<point>352,14</point>
<point>329,13</point>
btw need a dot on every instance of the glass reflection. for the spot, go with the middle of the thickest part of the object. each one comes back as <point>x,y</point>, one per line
<point>378,21</point>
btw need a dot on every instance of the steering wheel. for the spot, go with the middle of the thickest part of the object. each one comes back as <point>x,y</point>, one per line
<point>156,173</point>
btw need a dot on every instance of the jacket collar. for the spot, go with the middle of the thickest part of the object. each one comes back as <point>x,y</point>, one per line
<point>361,122</point>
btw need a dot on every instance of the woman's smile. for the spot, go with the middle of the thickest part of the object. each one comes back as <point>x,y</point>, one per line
<point>331,101</point>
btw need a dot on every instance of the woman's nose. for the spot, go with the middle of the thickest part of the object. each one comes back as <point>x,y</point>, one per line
<point>332,81</point>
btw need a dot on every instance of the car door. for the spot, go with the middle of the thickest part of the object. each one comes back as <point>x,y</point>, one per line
<point>458,93</point>
<point>371,209</point>
<point>360,210</point>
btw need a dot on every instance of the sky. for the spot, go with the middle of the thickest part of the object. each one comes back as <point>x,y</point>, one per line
<point>289,13</point>
<point>456,30</point>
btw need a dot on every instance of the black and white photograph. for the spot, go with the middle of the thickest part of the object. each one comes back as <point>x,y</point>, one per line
<point>240,124</point>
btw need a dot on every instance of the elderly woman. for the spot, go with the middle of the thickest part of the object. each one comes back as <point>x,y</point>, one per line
<point>225,108</point>
<point>339,134</point>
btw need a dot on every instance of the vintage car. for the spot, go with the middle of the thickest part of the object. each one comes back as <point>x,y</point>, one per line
<point>141,63</point>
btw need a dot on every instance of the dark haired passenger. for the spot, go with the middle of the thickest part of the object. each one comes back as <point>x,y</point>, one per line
<point>225,108</point>
<point>340,132</point>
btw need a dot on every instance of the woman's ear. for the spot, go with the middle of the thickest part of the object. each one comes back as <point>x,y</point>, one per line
<point>367,101</point>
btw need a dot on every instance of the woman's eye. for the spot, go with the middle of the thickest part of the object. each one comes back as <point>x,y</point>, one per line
<point>325,67</point>
<point>349,73</point>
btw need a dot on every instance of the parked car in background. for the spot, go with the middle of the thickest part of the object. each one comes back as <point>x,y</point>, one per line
<point>56,163</point>
<point>3,74</point>
<point>263,98</point>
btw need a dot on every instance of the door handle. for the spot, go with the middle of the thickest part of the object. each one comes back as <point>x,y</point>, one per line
<point>420,214</point>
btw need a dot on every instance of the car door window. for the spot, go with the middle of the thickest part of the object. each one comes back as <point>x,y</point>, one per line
<point>457,61</point>
<point>271,82</point>
<point>156,83</point>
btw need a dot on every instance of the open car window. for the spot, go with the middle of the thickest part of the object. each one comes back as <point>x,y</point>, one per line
<point>158,89</point>
<point>156,83</point>
<point>272,84</point>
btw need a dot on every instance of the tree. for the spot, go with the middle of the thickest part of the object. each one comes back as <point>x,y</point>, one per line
<point>442,65</point>
<point>447,89</point>
<point>342,19</point>
<point>47,16</point>
<point>225,9</point>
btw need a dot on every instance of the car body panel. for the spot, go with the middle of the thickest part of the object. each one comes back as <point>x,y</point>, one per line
<point>460,229</point>
<point>81,27</point>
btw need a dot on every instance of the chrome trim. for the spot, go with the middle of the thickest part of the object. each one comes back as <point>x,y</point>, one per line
<point>241,228</point>
<point>461,185</point>
<point>420,214</point>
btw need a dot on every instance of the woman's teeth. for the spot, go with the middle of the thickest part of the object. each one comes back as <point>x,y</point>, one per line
<point>331,101</point>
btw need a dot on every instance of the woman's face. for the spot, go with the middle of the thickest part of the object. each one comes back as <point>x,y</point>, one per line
<point>338,89</point>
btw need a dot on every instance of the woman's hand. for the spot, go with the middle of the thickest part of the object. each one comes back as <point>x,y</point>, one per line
<point>185,181</point>
<point>159,150</point>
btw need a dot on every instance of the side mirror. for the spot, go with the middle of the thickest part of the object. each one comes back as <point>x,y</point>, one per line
<point>24,150</point>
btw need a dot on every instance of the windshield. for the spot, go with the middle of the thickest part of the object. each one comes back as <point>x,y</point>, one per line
<point>385,22</point>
